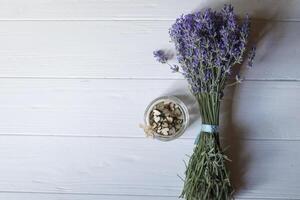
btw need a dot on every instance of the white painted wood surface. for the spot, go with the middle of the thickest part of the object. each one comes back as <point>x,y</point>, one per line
<point>100,107</point>
<point>100,9</point>
<point>25,196</point>
<point>138,9</point>
<point>126,166</point>
<point>123,49</point>
<point>76,76</point>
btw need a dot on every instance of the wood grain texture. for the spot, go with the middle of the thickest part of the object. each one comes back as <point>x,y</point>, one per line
<point>37,196</point>
<point>95,108</point>
<point>121,49</point>
<point>139,9</point>
<point>100,9</point>
<point>135,167</point>
<point>76,76</point>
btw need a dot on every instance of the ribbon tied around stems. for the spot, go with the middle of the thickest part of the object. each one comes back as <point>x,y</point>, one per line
<point>207,128</point>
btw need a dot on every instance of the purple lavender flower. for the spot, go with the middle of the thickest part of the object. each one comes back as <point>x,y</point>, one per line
<point>161,56</point>
<point>208,45</point>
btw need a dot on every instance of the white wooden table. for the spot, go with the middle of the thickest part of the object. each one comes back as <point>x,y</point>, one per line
<point>76,76</point>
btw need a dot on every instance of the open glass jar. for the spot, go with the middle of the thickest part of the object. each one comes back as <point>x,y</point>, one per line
<point>166,117</point>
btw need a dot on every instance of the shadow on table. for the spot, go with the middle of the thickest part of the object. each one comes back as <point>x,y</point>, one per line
<point>233,134</point>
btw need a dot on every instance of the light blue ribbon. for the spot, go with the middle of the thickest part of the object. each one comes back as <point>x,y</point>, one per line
<point>207,128</point>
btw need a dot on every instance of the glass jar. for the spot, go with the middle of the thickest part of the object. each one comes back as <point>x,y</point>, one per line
<point>181,106</point>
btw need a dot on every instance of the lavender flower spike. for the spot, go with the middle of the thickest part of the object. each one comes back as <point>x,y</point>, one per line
<point>251,56</point>
<point>161,56</point>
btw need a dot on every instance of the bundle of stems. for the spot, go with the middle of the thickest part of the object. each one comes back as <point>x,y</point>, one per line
<point>206,176</point>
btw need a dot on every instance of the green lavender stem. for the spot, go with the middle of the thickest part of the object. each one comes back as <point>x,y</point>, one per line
<point>206,176</point>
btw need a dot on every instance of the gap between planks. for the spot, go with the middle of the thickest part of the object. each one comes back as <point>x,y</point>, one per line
<point>137,137</point>
<point>135,20</point>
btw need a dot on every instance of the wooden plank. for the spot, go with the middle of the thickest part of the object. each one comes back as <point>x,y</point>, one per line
<point>82,49</point>
<point>34,196</point>
<point>135,167</point>
<point>139,9</point>
<point>78,107</point>
<point>269,9</point>
<point>101,9</point>
<point>37,196</point>
<point>122,49</point>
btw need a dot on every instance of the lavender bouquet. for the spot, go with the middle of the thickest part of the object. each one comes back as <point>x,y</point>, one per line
<point>208,45</point>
